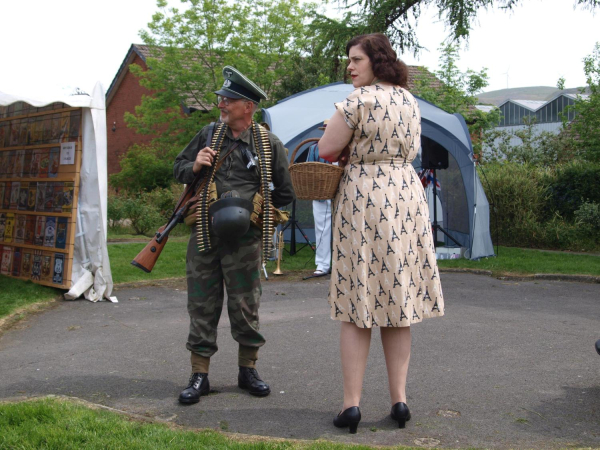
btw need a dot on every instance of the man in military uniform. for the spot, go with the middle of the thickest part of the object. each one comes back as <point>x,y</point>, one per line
<point>258,163</point>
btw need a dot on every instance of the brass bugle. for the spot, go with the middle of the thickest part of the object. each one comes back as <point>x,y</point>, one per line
<point>279,253</point>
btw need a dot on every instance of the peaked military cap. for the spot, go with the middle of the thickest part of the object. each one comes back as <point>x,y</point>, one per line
<point>237,85</point>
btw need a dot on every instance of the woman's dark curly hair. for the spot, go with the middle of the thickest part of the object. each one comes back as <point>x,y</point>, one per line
<point>384,62</point>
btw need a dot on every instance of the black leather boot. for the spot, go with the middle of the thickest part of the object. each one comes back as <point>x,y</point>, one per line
<point>249,380</point>
<point>197,386</point>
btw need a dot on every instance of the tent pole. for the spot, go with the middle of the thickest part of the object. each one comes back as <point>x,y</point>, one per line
<point>472,236</point>
<point>293,230</point>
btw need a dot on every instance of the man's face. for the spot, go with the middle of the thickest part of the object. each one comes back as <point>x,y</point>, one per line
<point>232,110</point>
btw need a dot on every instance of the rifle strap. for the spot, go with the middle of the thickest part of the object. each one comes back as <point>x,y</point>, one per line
<point>197,180</point>
<point>208,143</point>
<point>209,136</point>
<point>219,164</point>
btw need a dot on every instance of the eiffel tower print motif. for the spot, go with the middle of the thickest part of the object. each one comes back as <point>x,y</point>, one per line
<point>384,271</point>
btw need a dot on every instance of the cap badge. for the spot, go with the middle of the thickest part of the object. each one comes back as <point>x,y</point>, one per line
<point>228,73</point>
<point>227,83</point>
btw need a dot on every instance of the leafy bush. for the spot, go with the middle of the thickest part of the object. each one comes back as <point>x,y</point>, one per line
<point>562,234</point>
<point>519,195</point>
<point>115,210</point>
<point>144,215</point>
<point>144,212</point>
<point>528,213</point>
<point>165,199</point>
<point>588,214</point>
<point>144,168</point>
<point>574,184</point>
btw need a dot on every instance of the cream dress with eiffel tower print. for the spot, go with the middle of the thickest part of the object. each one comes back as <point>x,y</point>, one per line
<point>384,271</point>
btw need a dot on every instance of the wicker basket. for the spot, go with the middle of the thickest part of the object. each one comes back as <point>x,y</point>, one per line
<point>314,180</point>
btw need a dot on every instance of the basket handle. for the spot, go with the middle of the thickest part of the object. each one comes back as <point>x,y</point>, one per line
<point>299,146</point>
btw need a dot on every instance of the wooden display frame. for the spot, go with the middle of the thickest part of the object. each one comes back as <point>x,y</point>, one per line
<point>38,194</point>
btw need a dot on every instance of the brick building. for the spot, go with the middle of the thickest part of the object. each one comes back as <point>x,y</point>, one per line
<point>123,95</point>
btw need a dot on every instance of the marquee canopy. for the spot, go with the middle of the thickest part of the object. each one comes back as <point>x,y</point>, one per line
<point>465,206</point>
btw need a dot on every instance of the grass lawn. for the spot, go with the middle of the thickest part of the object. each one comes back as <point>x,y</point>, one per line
<point>510,261</point>
<point>518,261</point>
<point>55,423</point>
<point>18,294</point>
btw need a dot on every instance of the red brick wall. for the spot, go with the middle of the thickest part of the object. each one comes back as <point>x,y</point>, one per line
<point>126,98</point>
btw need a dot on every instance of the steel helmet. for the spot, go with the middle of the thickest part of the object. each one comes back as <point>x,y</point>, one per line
<point>230,217</point>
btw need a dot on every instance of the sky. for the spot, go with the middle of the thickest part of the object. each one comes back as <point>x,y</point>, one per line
<point>534,45</point>
<point>53,47</point>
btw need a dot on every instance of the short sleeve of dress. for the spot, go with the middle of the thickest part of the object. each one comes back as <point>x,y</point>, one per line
<point>350,110</point>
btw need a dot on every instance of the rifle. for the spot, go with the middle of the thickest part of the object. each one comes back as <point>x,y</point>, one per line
<point>146,259</point>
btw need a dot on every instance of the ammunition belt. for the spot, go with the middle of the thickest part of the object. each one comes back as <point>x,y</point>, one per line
<point>263,149</point>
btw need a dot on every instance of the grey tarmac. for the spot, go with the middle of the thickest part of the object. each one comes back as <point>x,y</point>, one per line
<point>511,365</point>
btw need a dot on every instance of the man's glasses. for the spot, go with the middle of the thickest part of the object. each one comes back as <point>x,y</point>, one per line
<point>226,100</point>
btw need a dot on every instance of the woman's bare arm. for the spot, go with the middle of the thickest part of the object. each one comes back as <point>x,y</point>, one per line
<point>336,137</point>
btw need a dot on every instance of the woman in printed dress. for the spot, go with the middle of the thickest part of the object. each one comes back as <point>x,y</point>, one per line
<point>384,270</point>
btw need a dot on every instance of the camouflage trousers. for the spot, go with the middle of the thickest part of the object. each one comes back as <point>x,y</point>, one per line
<point>236,266</point>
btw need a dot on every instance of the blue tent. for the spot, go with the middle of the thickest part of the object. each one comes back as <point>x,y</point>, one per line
<point>463,201</point>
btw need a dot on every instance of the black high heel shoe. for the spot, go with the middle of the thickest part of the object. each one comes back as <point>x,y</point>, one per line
<point>349,418</point>
<point>401,414</point>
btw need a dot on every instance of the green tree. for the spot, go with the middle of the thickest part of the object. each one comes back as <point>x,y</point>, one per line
<point>457,93</point>
<point>189,48</point>
<point>398,18</point>
<point>585,128</point>
<point>308,70</point>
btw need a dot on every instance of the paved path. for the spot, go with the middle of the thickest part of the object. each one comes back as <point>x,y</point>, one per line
<point>511,365</point>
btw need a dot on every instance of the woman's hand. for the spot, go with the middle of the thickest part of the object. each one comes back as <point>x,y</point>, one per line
<point>344,156</point>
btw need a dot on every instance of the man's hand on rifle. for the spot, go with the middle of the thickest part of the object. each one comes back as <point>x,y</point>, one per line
<point>205,157</point>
